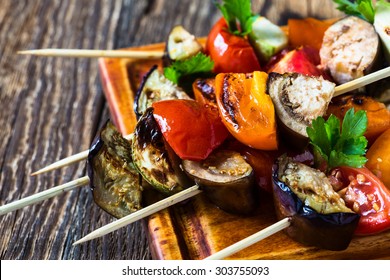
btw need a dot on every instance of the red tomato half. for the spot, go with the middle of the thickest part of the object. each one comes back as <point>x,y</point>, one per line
<point>230,53</point>
<point>302,60</point>
<point>366,195</point>
<point>193,131</point>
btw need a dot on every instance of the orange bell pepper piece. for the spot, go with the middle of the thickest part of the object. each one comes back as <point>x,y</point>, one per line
<point>377,114</point>
<point>378,156</point>
<point>307,32</point>
<point>246,110</point>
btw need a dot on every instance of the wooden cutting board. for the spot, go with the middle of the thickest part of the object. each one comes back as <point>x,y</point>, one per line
<point>197,229</point>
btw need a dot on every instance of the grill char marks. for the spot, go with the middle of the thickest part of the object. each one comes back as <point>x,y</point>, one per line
<point>207,89</point>
<point>231,101</point>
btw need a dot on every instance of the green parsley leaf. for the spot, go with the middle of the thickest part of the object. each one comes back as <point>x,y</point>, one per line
<point>237,12</point>
<point>337,147</point>
<point>361,8</point>
<point>199,63</point>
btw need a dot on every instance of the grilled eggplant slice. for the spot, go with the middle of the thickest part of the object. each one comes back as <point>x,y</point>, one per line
<point>114,180</point>
<point>299,99</point>
<point>350,49</point>
<point>318,215</point>
<point>181,45</point>
<point>155,87</point>
<point>154,159</point>
<point>227,180</point>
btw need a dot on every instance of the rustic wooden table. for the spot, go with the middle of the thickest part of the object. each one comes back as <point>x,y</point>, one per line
<point>52,107</point>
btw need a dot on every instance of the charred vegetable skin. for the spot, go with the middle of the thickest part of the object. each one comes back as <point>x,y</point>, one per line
<point>206,133</point>
<point>154,159</point>
<point>155,87</point>
<point>114,180</point>
<point>226,179</point>
<point>246,110</point>
<point>332,231</point>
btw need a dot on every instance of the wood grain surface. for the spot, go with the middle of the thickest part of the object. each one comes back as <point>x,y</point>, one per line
<point>52,107</point>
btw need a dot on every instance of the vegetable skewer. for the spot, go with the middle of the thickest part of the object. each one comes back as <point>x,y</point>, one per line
<point>53,193</point>
<point>95,53</point>
<point>339,90</point>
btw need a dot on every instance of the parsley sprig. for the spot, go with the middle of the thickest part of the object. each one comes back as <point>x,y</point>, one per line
<point>360,8</point>
<point>199,63</point>
<point>338,147</point>
<point>238,15</point>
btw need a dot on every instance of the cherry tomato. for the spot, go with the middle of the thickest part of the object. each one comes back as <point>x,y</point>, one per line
<point>366,195</point>
<point>193,131</point>
<point>230,53</point>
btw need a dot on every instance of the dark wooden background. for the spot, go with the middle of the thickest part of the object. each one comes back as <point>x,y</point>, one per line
<point>50,108</point>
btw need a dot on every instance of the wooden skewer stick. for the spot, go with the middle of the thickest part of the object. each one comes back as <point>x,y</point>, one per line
<point>142,213</point>
<point>63,162</point>
<point>250,240</point>
<point>362,81</point>
<point>96,53</point>
<point>43,195</point>
<point>68,160</point>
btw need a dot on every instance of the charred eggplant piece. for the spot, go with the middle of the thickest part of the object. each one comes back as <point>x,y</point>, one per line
<point>114,180</point>
<point>155,87</point>
<point>154,159</point>
<point>180,45</point>
<point>227,180</point>
<point>298,100</point>
<point>318,215</point>
<point>350,49</point>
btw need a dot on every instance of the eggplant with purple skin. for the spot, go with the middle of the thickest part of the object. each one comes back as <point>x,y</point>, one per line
<point>227,180</point>
<point>317,213</point>
<point>114,180</point>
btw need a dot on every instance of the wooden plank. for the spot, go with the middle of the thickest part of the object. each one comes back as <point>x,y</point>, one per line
<point>51,108</point>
